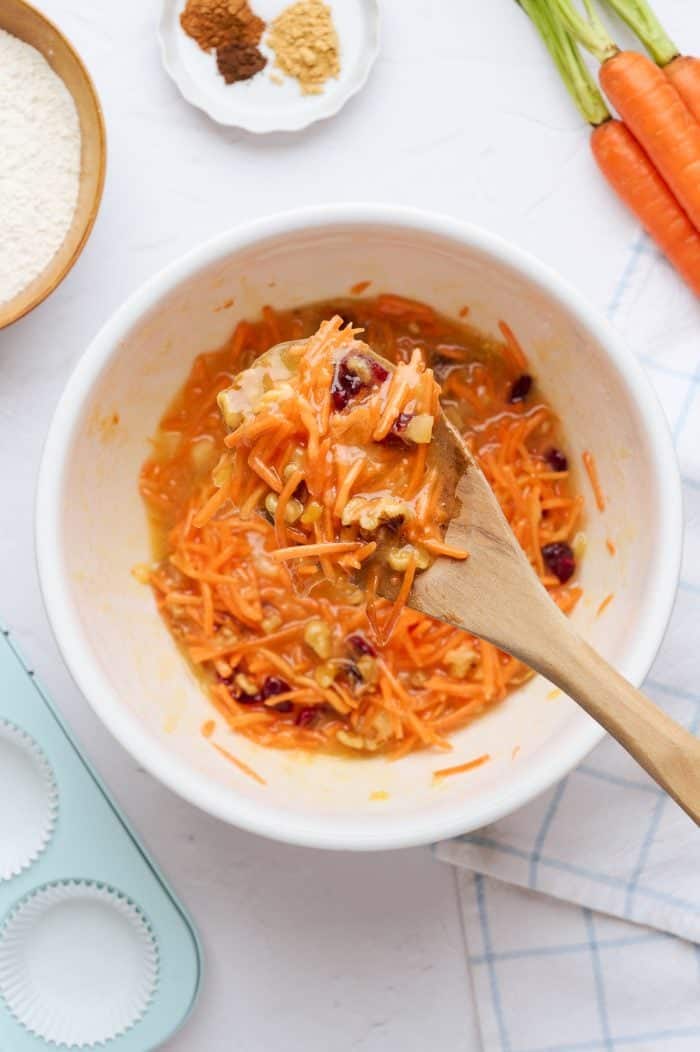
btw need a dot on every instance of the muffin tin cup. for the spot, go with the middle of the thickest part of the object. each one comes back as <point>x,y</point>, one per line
<point>28,801</point>
<point>95,951</point>
<point>78,963</point>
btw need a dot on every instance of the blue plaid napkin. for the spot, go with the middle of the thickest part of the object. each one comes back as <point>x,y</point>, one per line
<point>582,910</point>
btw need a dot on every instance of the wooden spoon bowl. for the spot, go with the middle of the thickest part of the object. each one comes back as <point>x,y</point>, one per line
<point>496,595</point>
<point>25,22</point>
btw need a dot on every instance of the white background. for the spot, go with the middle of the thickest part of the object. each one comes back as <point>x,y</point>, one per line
<point>305,950</point>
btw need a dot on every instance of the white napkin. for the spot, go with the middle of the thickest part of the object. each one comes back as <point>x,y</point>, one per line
<point>582,910</point>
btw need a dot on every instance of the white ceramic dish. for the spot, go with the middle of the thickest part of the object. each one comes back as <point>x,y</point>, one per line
<point>91,526</point>
<point>260,104</point>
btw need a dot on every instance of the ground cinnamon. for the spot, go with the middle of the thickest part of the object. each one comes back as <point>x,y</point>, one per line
<point>232,29</point>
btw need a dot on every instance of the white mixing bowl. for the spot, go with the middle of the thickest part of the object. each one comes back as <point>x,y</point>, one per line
<point>91,524</point>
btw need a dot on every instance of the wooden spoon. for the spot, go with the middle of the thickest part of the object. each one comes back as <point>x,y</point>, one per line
<point>496,595</point>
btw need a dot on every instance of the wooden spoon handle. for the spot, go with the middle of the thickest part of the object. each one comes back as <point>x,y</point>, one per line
<point>537,633</point>
<point>495,595</point>
<point>668,752</point>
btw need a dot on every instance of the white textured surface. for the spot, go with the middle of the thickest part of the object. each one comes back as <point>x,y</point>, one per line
<point>39,164</point>
<point>307,951</point>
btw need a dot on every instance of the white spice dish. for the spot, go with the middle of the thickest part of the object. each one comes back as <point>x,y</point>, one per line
<point>261,104</point>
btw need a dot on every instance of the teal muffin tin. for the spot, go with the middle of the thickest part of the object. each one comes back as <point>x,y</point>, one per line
<point>95,950</point>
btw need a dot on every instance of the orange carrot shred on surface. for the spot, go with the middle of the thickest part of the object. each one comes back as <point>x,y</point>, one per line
<point>611,546</point>
<point>360,287</point>
<point>461,768</point>
<point>276,602</point>
<point>464,312</point>
<point>592,472</point>
<point>239,764</point>
<point>605,604</point>
<point>208,728</point>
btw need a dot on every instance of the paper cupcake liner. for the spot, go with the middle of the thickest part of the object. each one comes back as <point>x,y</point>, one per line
<point>28,801</point>
<point>78,963</point>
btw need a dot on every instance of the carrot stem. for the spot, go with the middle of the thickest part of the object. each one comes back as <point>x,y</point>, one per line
<point>567,57</point>
<point>589,31</point>
<point>644,24</point>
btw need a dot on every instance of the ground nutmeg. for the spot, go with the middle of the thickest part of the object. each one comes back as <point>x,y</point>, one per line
<point>232,29</point>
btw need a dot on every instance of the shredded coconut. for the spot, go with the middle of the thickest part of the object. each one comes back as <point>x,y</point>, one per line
<point>39,164</point>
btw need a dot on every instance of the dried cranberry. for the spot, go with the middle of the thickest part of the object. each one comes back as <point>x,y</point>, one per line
<point>361,645</point>
<point>521,388</point>
<point>283,706</point>
<point>379,373</point>
<point>557,460</point>
<point>346,383</point>
<point>274,685</point>
<point>243,699</point>
<point>305,717</point>
<point>402,421</point>
<point>248,699</point>
<point>560,559</point>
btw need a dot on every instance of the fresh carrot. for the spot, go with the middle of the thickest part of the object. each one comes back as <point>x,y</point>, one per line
<point>621,159</point>
<point>684,73</point>
<point>660,121</point>
<point>629,171</point>
<point>648,103</point>
<point>682,70</point>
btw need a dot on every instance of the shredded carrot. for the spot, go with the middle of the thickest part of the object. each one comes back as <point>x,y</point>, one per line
<point>514,349</point>
<point>239,764</point>
<point>592,471</point>
<point>460,768</point>
<point>440,548</point>
<point>280,611</point>
<point>606,602</point>
<point>208,728</point>
<point>306,551</point>
<point>359,287</point>
<point>611,546</point>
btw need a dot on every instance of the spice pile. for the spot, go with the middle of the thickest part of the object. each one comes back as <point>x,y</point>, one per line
<point>230,28</point>
<point>305,43</point>
<point>303,38</point>
<point>39,164</point>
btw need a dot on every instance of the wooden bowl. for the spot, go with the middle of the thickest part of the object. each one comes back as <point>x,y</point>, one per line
<point>24,21</point>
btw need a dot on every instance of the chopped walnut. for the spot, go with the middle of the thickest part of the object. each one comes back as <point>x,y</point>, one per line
<point>370,512</point>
